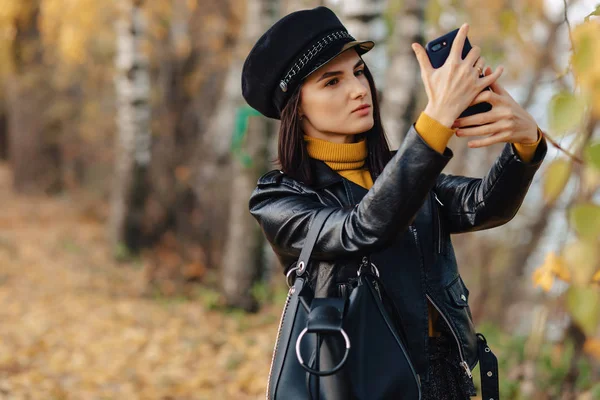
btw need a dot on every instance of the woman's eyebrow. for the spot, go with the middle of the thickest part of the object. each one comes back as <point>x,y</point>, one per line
<point>332,73</point>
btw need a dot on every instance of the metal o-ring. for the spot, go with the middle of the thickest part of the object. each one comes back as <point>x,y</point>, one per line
<point>301,267</point>
<point>288,275</point>
<point>322,373</point>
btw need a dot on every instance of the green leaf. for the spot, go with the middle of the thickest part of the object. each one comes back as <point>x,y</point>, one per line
<point>583,304</point>
<point>592,154</point>
<point>581,257</point>
<point>242,117</point>
<point>583,56</point>
<point>566,112</point>
<point>509,21</point>
<point>596,12</point>
<point>585,219</point>
<point>556,179</point>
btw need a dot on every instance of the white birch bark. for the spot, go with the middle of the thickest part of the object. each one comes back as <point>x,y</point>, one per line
<point>403,81</point>
<point>132,85</point>
<point>243,249</point>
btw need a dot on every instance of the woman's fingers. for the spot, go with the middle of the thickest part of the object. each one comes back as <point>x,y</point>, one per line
<point>473,55</point>
<point>479,66</point>
<point>497,88</point>
<point>478,119</point>
<point>459,43</point>
<point>488,80</point>
<point>484,130</point>
<point>486,96</point>
<point>422,58</point>
<point>497,138</point>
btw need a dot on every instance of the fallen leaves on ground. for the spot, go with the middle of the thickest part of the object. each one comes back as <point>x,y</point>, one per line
<point>74,324</point>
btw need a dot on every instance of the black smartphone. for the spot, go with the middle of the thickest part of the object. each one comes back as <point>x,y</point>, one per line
<point>438,51</point>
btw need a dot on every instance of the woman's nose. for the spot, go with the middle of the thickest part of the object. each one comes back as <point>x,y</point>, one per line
<point>359,88</point>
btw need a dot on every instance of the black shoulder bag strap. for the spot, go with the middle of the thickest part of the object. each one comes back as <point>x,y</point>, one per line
<point>287,323</point>
<point>488,367</point>
<point>311,238</point>
<point>302,264</point>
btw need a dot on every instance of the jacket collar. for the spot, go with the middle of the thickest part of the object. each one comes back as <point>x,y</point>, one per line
<point>323,175</point>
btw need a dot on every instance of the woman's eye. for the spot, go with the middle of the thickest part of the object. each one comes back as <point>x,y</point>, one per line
<point>332,82</point>
<point>360,72</point>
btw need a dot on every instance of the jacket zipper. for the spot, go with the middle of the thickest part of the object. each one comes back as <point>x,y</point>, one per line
<point>277,339</point>
<point>439,224</point>
<point>463,363</point>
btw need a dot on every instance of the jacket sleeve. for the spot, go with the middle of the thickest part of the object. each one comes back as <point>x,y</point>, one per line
<point>285,210</point>
<point>471,204</point>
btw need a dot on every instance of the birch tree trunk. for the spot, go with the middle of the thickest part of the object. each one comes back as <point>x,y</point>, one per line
<point>364,20</point>
<point>403,81</point>
<point>243,255</point>
<point>132,153</point>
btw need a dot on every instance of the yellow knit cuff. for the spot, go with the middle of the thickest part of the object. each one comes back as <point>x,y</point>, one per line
<point>527,150</point>
<point>433,133</point>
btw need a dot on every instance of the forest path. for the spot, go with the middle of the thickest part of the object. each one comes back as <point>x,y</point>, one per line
<point>74,325</point>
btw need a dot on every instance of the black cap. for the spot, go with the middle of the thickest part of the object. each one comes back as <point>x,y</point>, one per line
<point>288,52</point>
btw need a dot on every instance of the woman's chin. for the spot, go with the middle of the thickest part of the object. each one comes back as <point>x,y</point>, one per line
<point>363,126</point>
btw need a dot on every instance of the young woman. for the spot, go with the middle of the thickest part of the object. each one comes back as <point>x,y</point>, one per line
<point>397,207</point>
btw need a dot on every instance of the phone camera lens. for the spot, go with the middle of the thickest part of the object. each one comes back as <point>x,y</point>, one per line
<point>436,47</point>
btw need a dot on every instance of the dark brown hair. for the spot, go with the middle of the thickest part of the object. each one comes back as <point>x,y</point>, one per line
<point>293,155</point>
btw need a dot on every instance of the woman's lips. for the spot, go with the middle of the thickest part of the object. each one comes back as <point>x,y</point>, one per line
<point>363,110</point>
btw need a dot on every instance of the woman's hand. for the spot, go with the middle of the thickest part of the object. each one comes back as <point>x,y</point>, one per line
<point>507,121</point>
<point>452,87</point>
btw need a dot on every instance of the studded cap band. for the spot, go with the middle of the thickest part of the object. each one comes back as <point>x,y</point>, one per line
<point>305,58</point>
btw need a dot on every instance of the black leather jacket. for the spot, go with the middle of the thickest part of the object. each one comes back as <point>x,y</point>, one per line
<point>404,224</point>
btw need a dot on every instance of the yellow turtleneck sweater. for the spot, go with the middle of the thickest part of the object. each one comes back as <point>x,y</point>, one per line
<point>348,160</point>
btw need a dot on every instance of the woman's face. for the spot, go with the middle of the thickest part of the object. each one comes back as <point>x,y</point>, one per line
<point>330,97</point>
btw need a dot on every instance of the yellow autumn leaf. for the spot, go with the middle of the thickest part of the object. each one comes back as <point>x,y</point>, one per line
<point>596,277</point>
<point>592,347</point>
<point>553,266</point>
<point>543,277</point>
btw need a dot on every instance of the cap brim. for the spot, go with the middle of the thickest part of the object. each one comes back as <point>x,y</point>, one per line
<point>362,46</point>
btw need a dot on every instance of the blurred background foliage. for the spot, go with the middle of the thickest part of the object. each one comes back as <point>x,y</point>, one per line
<point>129,265</point>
